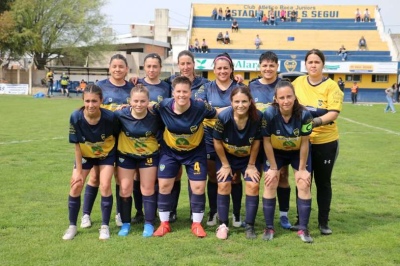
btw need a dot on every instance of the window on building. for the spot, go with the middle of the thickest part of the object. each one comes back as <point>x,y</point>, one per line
<point>205,75</point>
<point>354,77</point>
<point>379,78</point>
<point>247,75</point>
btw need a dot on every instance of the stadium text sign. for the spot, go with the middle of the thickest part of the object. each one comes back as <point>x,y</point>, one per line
<point>13,88</point>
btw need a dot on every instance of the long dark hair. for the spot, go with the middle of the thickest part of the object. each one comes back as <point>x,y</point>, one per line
<point>190,54</point>
<point>318,53</point>
<point>92,88</point>
<point>226,57</point>
<point>297,107</point>
<point>253,115</point>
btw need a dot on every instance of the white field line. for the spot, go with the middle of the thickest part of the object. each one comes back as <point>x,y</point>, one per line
<point>26,141</point>
<point>366,125</point>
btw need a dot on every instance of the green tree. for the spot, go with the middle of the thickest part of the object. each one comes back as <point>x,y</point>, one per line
<point>61,28</point>
<point>5,5</point>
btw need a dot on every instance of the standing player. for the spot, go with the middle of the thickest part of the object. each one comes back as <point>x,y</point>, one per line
<point>93,130</point>
<point>138,149</point>
<point>323,98</point>
<point>237,142</point>
<point>217,94</point>
<point>158,90</point>
<point>116,92</point>
<point>64,81</point>
<point>263,91</point>
<point>50,82</point>
<point>286,129</point>
<point>182,144</point>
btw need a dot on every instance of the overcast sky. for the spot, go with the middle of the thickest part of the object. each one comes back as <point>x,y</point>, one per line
<point>122,13</point>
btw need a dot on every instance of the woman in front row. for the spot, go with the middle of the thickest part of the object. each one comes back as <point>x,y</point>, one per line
<point>138,149</point>
<point>94,131</point>
<point>237,142</point>
<point>286,129</point>
<point>182,144</point>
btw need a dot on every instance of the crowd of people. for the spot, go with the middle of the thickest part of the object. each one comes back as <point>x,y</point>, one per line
<point>143,131</point>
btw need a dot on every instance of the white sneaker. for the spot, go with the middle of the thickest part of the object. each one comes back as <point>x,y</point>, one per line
<point>70,233</point>
<point>212,219</point>
<point>104,232</point>
<point>236,221</point>
<point>118,220</point>
<point>86,222</point>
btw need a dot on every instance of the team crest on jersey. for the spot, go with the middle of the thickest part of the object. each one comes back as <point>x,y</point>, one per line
<point>121,160</point>
<point>290,65</point>
<point>208,106</point>
<point>226,140</point>
<point>103,137</point>
<point>160,98</point>
<point>296,132</point>
<point>278,132</point>
<point>319,102</point>
<point>251,140</point>
<point>148,133</point>
<point>194,128</point>
<point>162,167</point>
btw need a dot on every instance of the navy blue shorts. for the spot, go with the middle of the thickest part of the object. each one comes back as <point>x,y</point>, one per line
<point>194,160</point>
<point>88,163</point>
<point>128,162</point>
<point>284,158</point>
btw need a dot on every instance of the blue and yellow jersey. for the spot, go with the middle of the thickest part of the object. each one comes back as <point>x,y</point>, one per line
<point>320,99</point>
<point>217,98</point>
<point>95,141</point>
<point>114,96</point>
<point>183,132</point>
<point>197,85</point>
<point>157,92</point>
<point>285,136</point>
<point>138,137</point>
<point>263,94</point>
<point>236,142</point>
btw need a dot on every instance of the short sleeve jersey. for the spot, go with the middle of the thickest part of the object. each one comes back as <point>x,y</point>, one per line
<point>114,96</point>
<point>95,141</point>
<point>286,136</point>
<point>183,132</point>
<point>138,137</point>
<point>236,141</point>
<point>157,92</point>
<point>263,94</point>
<point>197,85</point>
<point>320,99</point>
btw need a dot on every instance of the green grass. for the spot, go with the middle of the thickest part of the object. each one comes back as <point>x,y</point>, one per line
<point>36,162</point>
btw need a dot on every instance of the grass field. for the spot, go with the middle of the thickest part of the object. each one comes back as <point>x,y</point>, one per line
<point>36,161</point>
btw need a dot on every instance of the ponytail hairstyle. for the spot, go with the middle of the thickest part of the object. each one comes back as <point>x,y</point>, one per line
<point>297,107</point>
<point>92,88</point>
<point>226,57</point>
<point>253,115</point>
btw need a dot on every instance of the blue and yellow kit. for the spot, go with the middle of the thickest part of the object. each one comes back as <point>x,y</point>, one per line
<point>197,85</point>
<point>114,96</point>
<point>95,141</point>
<point>157,92</point>
<point>263,94</point>
<point>236,142</point>
<point>183,132</point>
<point>285,136</point>
<point>320,99</point>
<point>138,137</point>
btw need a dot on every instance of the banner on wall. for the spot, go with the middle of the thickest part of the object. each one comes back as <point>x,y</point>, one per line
<point>358,67</point>
<point>13,88</point>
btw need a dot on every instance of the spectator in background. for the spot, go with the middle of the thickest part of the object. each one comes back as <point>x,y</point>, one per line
<point>265,20</point>
<point>342,53</point>
<point>220,14</point>
<point>257,42</point>
<point>50,82</point>
<point>362,44</point>
<point>259,14</point>
<point>214,14</point>
<point>293,16</point>
<point>235,25</point>
<point>341,84</point>
<point>82,87</point>
<point>197,46</point>
<point>64,81</point>
<point>204,46</point>
<point>397,93</point>
<point>220,37</point>
<point>367,16</point>
<point>357,15</point>
<point>227,39</point>
<point>283,15</point>
<point>272,17</point>
<point>389,97</point>
<point>228,15</point>
<point>354,93</point>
